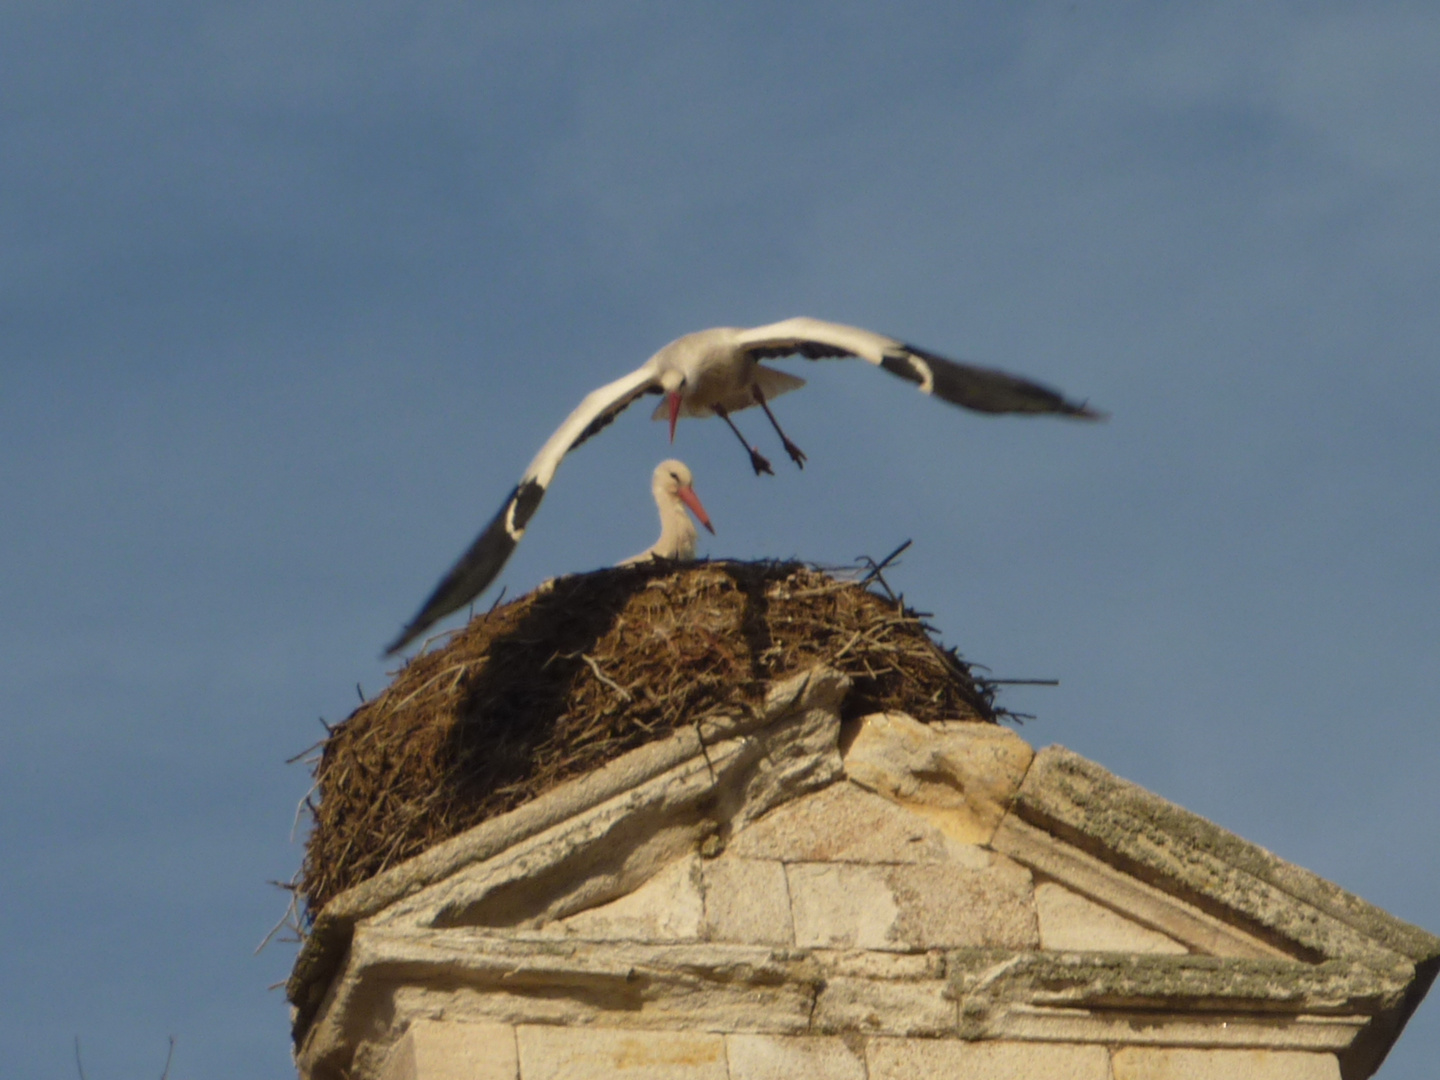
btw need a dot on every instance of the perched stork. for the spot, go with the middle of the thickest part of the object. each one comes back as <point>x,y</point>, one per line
<point>674,490</point>
<point>714,373</point>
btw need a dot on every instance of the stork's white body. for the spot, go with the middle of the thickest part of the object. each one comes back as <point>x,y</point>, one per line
<point>714,373</point>
<point>710,369</point>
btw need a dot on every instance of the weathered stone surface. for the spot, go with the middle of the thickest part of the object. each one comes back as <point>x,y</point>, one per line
<point>1070,922</point>
<point>907,907</point>
<point>910,1059</point>
<point>581,863</point>
<point>746,900</point>
<point>867,964</point>
<point>441,1051</point>
<point>786,758</point>
<point>843,905</point>
<point>769,1057</point>
<point>916,1007</point>
<point>557,1053</point>
<point>982,978</point>
<point>668,907</point>
<point>1145,904</point>
<point>1149,1027</point>
<point>541,979</point>
<point>844,823</point>
<point>1173,1063</point>
<point>960,776</point>
<point>1201,862</point>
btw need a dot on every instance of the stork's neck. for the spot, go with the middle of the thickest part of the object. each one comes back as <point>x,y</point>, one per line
<point>678,536</point>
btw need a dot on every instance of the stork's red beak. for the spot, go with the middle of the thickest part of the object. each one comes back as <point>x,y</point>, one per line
<point>674,416</point>
<point>690,499</point>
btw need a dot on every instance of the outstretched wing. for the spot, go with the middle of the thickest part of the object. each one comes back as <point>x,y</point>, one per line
<point>485,558</point>
<point>981,389</point>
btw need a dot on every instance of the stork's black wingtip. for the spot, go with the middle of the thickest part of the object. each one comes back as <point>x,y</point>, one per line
<point>406,636</point>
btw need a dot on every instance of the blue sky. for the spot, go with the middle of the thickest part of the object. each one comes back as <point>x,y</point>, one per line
<point>291,294</point>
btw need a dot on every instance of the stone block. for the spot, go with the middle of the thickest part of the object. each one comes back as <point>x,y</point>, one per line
<point>558,1053</point>
<point>962,777</point>
<point>1159,1000</point>
<point>1070,922</point>
<point>668,907</point>
<point>885,1007</point>
<point>910,907</point>
<point>770,1057</point>
<point>843,905</point>
<point>844,823</point>
<point>1148,1027</point>
<point>544,981</point>
<point>747,900</point>
<point>909,1059</point>
<point>1175,1063</point>
<point>431,1050</point>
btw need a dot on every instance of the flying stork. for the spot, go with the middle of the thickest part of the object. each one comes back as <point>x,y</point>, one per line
<point>674,490</point>
<point>714,373</point>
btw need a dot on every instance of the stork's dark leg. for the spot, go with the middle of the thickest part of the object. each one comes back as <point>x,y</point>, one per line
<point>796,454</point>
<point>757,460</point>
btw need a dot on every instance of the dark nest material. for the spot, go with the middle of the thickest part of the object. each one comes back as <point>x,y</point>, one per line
<point>556,683</point>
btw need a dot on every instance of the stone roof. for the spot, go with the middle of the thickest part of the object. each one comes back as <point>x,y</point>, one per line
<point>786,894</point>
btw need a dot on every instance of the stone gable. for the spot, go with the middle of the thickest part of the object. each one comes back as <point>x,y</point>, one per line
<point>784,895</point>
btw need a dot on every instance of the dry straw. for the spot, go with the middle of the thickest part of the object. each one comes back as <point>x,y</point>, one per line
<point>558,682</point>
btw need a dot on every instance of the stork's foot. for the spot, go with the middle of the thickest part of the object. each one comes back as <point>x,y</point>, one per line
<point>796,454</point>
<point>760,463</point>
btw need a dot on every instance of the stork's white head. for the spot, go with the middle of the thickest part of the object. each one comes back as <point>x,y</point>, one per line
<point>672,481</point>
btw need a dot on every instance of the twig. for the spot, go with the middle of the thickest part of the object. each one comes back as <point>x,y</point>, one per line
<point>856,636</point>
<point>625,695</point>
<point>290,910</point>
<point>302,753</point>
<point>1023,682</point>
<point>876,568</point>
<point>164,1075</point>
<point>300,808</point>
<point>704,750</point>
<point>425,645</point>
<point>875,573</point>
<point>79,1065</point>
<point>397,706</point>
<point>823,590</point>
<point>390,851</point>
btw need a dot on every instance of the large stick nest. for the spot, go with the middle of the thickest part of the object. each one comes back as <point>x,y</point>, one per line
<point>556,683</point>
